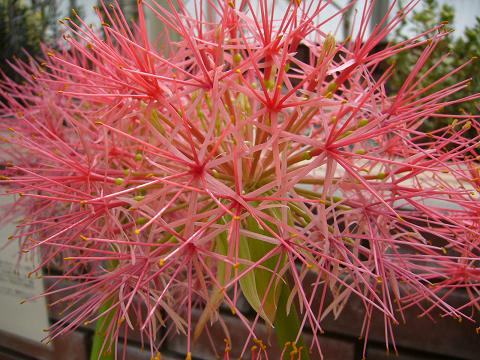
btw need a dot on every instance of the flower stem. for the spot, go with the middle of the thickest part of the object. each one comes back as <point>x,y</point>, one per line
<point>102,346</point>
<point>287,326</point>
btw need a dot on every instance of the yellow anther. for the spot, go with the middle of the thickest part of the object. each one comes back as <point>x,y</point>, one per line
<point>269,84</point>
<point>236,217</point>
<point>329,44</point>
<point>237,58</point>
<point>189,356</point>
<point>228,345</point>
<point>309,266</point>
<point>347,133</point>
<point>331,88</point>
<point>138,156</point>
<point>83,237</point>
<point>161,262</point>
<point>362,122</point>
<point>307,155</point>
<point>260,343</point>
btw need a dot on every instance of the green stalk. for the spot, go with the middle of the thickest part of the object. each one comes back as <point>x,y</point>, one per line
<point>270,302</point>
<point>287,327</point>
<point>100,336</point>
<point>103,323</point>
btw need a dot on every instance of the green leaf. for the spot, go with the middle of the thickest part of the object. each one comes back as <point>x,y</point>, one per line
<point>103,323</point>
<point>100,336</point>
<point>256,282</point>
<point>288,325</point>
<point>221,247</point>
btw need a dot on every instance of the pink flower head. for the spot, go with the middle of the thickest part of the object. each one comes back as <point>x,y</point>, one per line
<point>164,182</point>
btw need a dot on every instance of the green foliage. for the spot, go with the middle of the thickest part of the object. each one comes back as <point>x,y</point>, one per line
<point>461,49</point>
<point>102,341</point>
<point>266,292</point>
<point>24,27</point>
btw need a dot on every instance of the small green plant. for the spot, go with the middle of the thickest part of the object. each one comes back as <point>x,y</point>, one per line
<point>23,27</point>
<point>449,56</point>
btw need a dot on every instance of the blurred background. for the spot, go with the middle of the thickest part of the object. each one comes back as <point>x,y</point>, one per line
<point>25,25</point>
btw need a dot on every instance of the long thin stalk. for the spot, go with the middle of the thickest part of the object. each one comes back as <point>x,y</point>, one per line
<point>287,326</point>
<point>99,350</point>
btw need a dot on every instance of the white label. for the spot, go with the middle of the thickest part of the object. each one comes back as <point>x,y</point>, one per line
<point>29,319</point>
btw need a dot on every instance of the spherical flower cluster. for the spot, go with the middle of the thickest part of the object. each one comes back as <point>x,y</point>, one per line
<point>164,182</point>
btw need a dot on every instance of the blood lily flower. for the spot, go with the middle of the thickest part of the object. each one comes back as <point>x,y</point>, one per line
<point>164,183</point>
